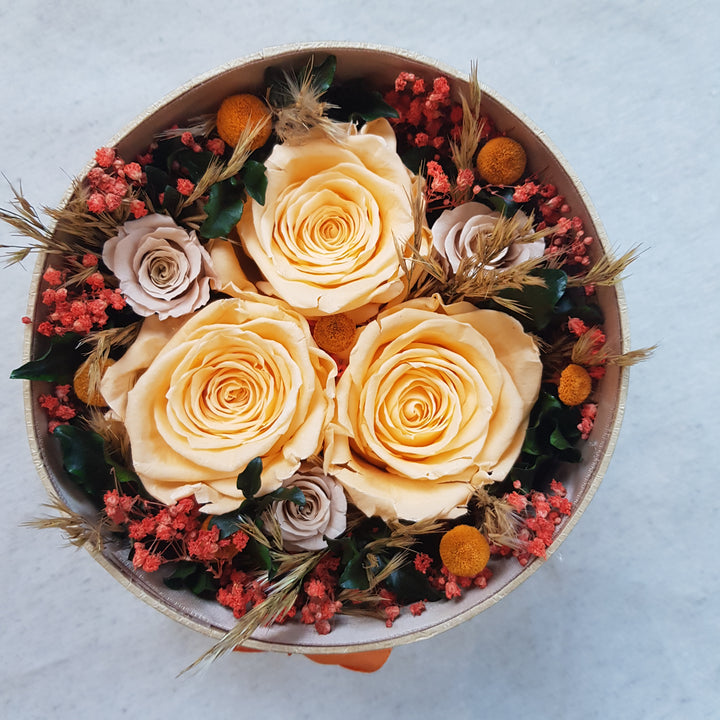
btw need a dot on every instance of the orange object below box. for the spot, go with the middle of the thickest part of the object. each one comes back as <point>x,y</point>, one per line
<point>367,662</point>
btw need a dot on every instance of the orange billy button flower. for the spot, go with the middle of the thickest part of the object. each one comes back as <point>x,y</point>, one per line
<point>334,333</point>
<point>575,385</point>
<point>464,551</point>
<point>81,383</point>
<point>240,111</point>
<point>501,161</point>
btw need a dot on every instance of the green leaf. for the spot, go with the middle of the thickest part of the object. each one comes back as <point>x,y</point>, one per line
<point>227,524</point>
<point>224,208</point>
<point>156,178</point>
<point>195,163</point>
<point>414,158</point>
<point>255,506</point>
<point>539,301</point>
<point>291,494</point>
<point>83,454</point>
<point>255,179</point>
<point>122,474</point>
<point>410,585</point>
<point>192,576</point>
<point>354,101</point>
<point>58,364</point>
<point>171,198</point>
<point>248,481</point>
<point>500,201</point>
<point>354,576</point>
<point>558,439</point>
<point>322,75</point>
<point>261,553</point>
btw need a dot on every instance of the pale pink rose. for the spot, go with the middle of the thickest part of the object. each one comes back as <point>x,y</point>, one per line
<point>162,269</point>
<point>323,514</point>
<point>458,234</point>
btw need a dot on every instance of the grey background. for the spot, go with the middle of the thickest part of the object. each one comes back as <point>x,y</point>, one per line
<point>622,622</point>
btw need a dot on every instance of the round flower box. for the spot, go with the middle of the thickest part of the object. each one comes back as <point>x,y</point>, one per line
<point>380,67</point>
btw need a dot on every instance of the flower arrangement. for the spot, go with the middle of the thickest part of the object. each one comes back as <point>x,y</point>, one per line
<point>321,351</point>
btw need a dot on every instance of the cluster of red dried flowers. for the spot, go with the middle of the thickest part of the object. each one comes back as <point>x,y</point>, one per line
<point>113,181</point>
<point>427,116</point>
<point>539,514</point>
<point>80,309</point>
<point>58,406</point>
<point>168,533</point>
<point>162,534</point>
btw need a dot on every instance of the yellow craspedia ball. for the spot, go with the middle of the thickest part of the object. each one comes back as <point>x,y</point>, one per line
<point>501,161</point>
<point>240,111</point>
<point>464,551</point>
<point>334,333</point>
<point>81,384</point>
<point>575,385</point>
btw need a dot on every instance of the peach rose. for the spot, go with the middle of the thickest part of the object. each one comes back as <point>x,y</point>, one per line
<point>335,211</point>
<point>458,232</point>
<point>433,404</point>
<point>161,267</point>
<point>240,379</point>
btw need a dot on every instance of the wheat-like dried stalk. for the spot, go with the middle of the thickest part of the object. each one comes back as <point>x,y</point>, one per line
<point>218,171</point>
<point>282,595</point>
<point>112,431</point>
<point>199,126</point>
<point>304,112</point>
<point>605,271</point>
<point>102,342</point>
<point>78,530</point>
<point>463,152</point>
<point>500,522</point>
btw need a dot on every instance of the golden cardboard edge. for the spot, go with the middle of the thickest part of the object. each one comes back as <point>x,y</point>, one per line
<point>586,493</point>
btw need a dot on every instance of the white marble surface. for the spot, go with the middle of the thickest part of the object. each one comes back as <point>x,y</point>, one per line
<point>623,621</point>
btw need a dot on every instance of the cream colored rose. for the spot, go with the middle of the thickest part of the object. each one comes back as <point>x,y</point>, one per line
<point>240,379</point>
<point>304,527</point>
<point>161,268</point>
<point>434,403</point>
<point>335,211</point>
<point>458,234</point>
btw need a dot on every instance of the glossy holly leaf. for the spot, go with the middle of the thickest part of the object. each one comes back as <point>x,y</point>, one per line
<point>156,178</point>
<point>255,180</point>
<point>172,199</point>
<point>410,585</point>
<point>352,562</point>
<point>321,77</point>
<point>416,158</point>
<point>255,506</point>
<point>354,576</point>
<point>58,364</point>
<point>539,300</point>
<point>552,436</point>
<point>227,524</point>
<point>354,101</point>
<point>248,481</point>
<point>224,208</point>
<point>122,474</point>
<point>83,454</point>
<point>261,555</point>
<point>192,576</point>
<point>500,201</point>
<point>196,164</point>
